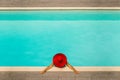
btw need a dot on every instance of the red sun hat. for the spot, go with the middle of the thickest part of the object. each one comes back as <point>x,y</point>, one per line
<point>60,60</point>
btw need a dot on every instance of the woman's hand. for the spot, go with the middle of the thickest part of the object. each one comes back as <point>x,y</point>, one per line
<point>46,69</point>
<point>72,68</point>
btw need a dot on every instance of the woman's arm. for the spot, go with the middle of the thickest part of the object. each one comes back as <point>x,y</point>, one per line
<point>46,69</point>
<point>72,68</point>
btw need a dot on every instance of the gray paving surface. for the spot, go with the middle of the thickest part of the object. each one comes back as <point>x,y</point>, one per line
<point>59,3</point>
<point>59,76</point>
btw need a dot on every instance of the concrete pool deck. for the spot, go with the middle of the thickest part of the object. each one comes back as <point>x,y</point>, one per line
<point>35,75</point>
<point>59,3</point>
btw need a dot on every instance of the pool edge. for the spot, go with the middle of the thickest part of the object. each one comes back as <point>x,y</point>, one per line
<point>28,68</point>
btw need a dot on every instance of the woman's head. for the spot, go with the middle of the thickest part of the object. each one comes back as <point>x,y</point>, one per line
<point>60,60</point>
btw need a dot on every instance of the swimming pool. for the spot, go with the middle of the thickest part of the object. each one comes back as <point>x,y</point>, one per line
<point>87,37</point>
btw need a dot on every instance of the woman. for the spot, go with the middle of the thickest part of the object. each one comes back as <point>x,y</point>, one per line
<point>60,61</point>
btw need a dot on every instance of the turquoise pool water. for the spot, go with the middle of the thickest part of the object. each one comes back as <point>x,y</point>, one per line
<point>88,38</point>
